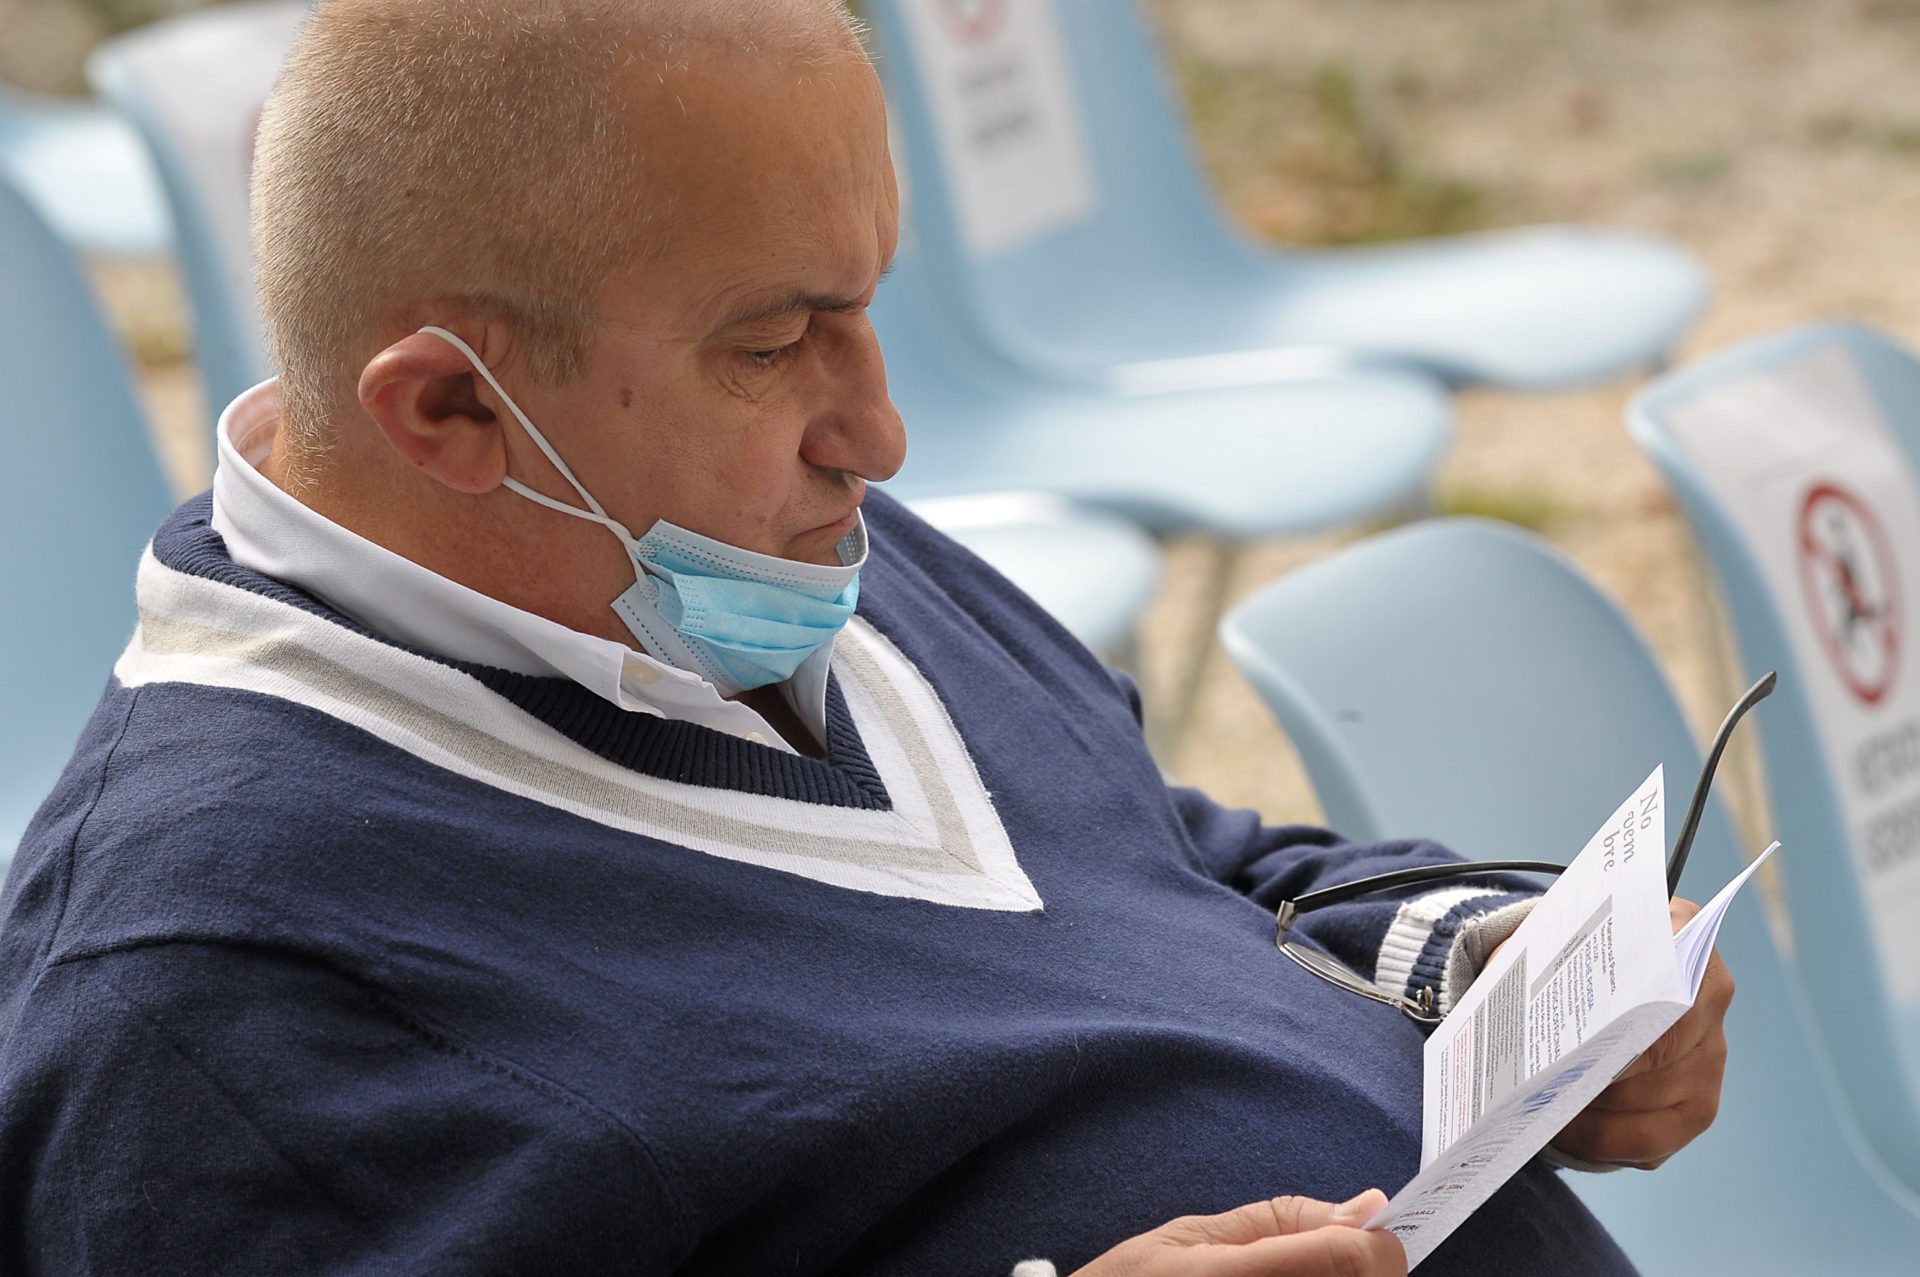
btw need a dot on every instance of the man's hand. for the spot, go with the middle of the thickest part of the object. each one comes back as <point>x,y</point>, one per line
<point>1668,1095</point>
<point>1286,1237</point>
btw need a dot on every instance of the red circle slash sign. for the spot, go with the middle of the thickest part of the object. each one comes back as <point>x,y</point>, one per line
<point>973,22</point>
<point>1852,589</point>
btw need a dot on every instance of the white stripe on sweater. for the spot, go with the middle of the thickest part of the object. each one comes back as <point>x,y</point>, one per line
<point>1412,927</point>
<point>942,841</point>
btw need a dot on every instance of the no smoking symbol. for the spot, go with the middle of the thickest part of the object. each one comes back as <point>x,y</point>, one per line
<point>973,21</point>
<point>1852,589</point>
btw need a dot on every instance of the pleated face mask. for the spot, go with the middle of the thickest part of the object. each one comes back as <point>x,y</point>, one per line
<point>737,618</point>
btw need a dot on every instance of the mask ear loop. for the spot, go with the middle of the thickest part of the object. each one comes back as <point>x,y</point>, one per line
<point>594,513</point>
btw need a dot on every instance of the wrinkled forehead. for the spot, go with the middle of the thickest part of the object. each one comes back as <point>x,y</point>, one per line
<point>716,121</point>
<point>764,167</point>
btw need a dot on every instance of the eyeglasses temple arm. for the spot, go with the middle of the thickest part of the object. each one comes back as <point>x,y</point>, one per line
<point>1291,909</point>
<point>1677,862</point>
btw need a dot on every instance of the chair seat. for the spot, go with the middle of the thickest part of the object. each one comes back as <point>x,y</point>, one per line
<point>1094,572</point>
<point>1284,456</point>
<point>1534,309</point>
<point>1239,465</point>
<point>86,171</point>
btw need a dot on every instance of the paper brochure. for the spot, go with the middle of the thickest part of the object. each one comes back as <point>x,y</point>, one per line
<point>1589,981</point>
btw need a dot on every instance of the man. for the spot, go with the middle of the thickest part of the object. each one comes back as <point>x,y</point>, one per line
<point>548,822</point>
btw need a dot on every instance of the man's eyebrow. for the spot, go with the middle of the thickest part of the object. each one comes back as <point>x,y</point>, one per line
<point>758,311</point>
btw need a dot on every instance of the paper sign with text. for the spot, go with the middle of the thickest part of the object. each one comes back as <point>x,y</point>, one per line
<point>1589,981</point>
<point>1003,109</point>
<point>1823,494</point>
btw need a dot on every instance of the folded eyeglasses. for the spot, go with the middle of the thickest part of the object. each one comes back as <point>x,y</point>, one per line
<point>1421,1007</point>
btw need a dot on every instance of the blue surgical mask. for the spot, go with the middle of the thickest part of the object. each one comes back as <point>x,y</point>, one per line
<point>737,618</point>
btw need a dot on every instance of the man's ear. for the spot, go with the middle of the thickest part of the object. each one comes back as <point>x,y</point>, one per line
<point>424,395</point>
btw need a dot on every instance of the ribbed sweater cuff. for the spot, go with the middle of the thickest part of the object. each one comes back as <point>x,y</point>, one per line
<point>1441,940</point>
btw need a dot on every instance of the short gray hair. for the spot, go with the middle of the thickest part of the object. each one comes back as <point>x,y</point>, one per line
<point>421,158</point>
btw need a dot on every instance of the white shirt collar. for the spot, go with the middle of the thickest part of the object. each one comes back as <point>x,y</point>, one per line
<point>270,532</point>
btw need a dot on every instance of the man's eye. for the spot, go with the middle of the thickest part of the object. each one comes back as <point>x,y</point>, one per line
<point>772,357</point>
<point>774,354</point>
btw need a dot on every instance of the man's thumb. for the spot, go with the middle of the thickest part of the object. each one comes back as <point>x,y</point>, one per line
<point>1304,1214</point>
<point>1276,1217</point>
<point>1356,1211</point>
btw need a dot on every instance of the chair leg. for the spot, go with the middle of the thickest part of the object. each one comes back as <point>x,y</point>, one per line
<point>1125,654</point>
<point>1169,719</point>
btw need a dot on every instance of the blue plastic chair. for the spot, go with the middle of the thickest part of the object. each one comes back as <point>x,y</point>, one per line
<point>1152,273</point>
<point>86,172</point>
<point>79,496</point>
<point>1095,573</point>
<point>1464,680</point>
<point>1875,1043</point>
<point>1286,456</point>
<point>192,87</point>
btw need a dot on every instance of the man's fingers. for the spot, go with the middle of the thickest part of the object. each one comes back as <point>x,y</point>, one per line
<point>1696,1075</point>
<point>1300,1214</point>
<point>1636,1139</point>
<point>1277,1238</point>
<point>1704,1018</point>
<point>1278,1217</point>
<point>1686,1036</point>
<point>1642,1063</point>
<point>1716,986</point>
<point>1687,1033</point>
<point>1704,1023</point>
<point>1323,1252</point>
<point>1670,1094</point>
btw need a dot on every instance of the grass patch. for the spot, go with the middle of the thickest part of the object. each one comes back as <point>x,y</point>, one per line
<point>1312,158</point>
<point>1897,137</point>
<point>1535,511</point>
<point>1705,168</point>
<point>145,303</point>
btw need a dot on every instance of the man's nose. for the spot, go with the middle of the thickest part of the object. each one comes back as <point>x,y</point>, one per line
<point>857,429</point>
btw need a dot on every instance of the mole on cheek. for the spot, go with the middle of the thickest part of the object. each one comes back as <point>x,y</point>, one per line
<point>626,396</point>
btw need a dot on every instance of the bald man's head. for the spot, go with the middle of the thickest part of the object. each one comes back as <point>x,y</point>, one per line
<point>424,159</point>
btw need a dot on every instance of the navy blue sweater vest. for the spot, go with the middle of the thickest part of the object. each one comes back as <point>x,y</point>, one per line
<point>278,994</point>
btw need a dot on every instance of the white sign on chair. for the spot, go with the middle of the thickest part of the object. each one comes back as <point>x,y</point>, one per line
<point>997,86</point>
<point>1825,497</point>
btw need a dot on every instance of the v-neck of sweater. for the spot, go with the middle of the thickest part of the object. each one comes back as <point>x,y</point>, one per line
<point>667,749</point>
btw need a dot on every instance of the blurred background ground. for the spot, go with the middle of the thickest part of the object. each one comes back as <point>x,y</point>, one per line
<point>1777,139</point>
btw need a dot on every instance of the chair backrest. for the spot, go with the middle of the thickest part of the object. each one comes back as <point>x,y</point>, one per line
<point>1793,458</point>
<point>193,86</point>
<point>1459,679</point>
<point>1095,573</point>
<point>1286,455</point>
<point>1043,148</point>
<point>80,494</point>
<point>86,171</point>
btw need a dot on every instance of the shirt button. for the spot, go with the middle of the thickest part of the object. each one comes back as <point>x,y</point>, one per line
<point>641,675</point>
<point>755,737</point>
